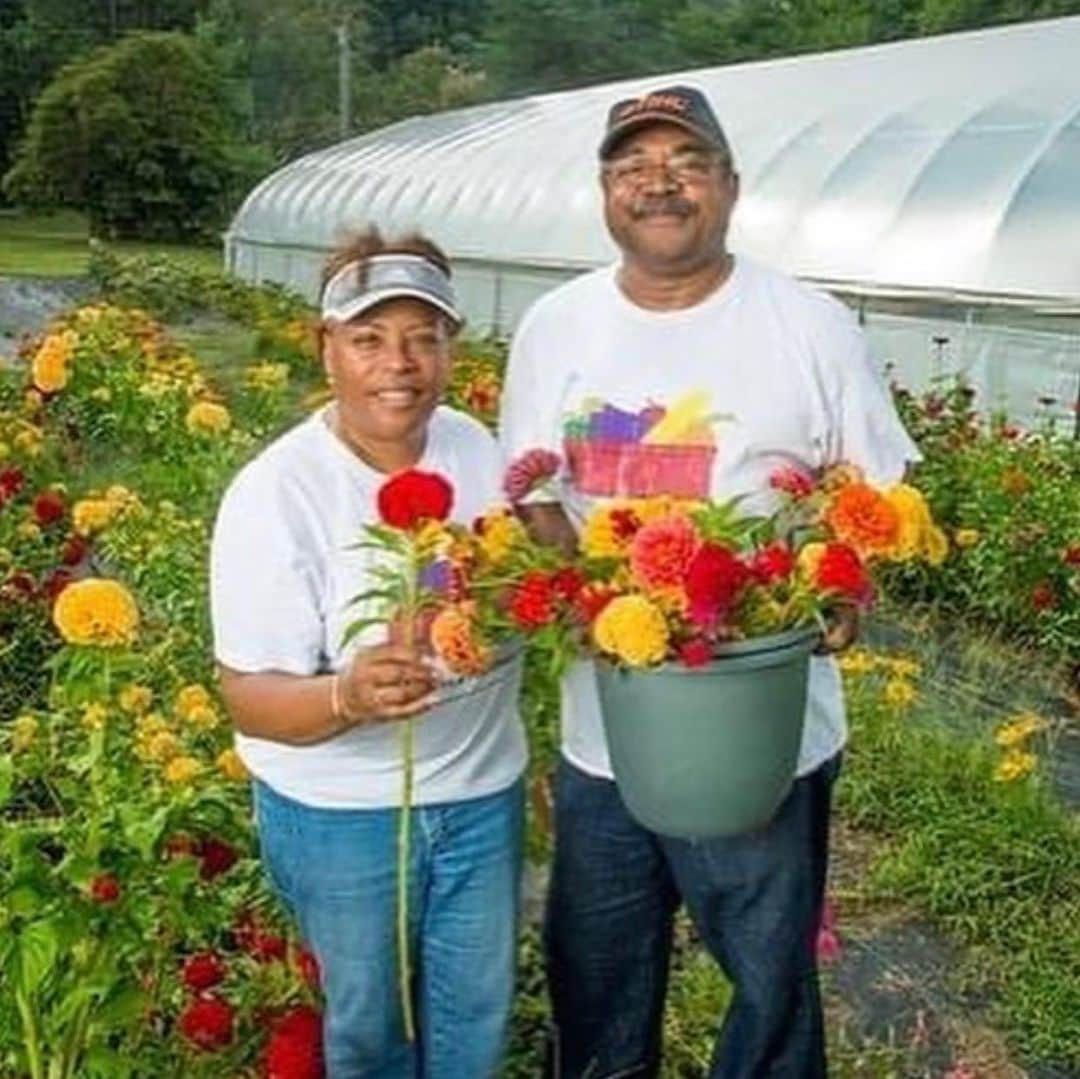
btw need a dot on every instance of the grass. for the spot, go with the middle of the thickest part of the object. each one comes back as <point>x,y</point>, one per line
<point>57,245</point>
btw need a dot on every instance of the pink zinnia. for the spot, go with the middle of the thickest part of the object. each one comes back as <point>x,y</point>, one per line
<point>531,470</point>
<point>661,551</point>
<point>792,480</point>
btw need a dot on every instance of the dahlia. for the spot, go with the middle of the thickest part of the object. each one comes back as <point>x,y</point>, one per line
<point>662,550</point>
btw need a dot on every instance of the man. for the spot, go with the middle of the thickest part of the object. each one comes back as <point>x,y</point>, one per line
<point>774,377</point>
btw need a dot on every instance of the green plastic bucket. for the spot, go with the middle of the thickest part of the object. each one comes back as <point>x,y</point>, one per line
<point>712,750</point>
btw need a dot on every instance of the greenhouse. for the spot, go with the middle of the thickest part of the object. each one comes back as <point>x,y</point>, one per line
<point>933,184</point>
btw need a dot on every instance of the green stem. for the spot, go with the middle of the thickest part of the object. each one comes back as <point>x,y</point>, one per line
<point>404,828</point>
<point>30,1032</point>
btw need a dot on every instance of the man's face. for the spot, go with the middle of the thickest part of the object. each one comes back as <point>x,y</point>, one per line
<point>668,198</point>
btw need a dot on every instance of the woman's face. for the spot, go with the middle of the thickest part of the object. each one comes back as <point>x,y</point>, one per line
<point>388,368</point>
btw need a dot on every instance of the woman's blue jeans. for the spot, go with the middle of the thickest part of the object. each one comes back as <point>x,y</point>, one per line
<point>336,871</point>
<point>754,899</point>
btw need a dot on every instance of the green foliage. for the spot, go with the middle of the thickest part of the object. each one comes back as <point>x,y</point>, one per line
<point>136,134</point>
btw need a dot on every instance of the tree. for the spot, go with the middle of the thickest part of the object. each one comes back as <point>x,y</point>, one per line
<point>136,134</point>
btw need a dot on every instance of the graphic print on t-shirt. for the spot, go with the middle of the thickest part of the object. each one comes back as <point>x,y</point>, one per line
<point>656,450</point>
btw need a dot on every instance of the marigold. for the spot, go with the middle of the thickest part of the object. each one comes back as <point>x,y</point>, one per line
<point>94,716</point>
<point>914,519</point>
<point>497,533</point>
<point>136,699</point>
<point>864,519</point>
<point>633,629</point>
<point>857,661</point>
<point>208,417</point>
<point>49,368</point>
<point>662,550</point>
<point>191,698</point>
<point>162,746</point>
<point>91,515</point>
<point>900,693</point>
<point>96,611</point>
<point>1016,764</point>
<point>231,766</point>
<point>182,770</point>
<point>456,640</point>
<point>1019,729</point>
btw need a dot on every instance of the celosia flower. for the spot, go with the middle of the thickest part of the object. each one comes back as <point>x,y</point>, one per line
<point>839,570</point>
<point>529,473</point>
<point>662,550</point>
<point>307,966</point>
<point>772,563</point>
<point>1043,596</point>
<point>1071,555</point>
<point>215,858</point>
<point>48,508</point>
<point>55,583</point>
<point>105,889</point>
<point>696,652</point>
<point>568,583</point>
<point>202,971</point>
<point>11,483</point>
<point>412,497</point>
<point>75,549</point>
<point>633,629</point>
<point>864,519</point>
<point>715,579</point>
<point>592,599</point>
<point>455,637</point>
<point>96,611</point>
<point>608,531</point>
<point>792,480</point>
<point>532,601</point>
<point>207,1023</point>
<point>208,417</point>
<point>295,1048</point>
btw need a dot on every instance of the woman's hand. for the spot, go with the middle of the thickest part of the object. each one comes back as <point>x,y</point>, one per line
<point>842,630</point>
<point>389,681</point>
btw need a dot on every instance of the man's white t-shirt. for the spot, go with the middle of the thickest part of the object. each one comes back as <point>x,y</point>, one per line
<point>765,372</point>
<point>283,572</point>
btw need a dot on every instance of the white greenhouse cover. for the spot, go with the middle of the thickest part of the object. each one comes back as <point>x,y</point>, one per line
<point>947,165</point>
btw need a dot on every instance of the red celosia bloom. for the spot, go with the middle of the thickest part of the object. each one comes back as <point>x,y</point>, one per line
<point>714,580</point>
<point>1071,555</point>
<point>202,971</point>
<point>794,481</point>
<point>307,966</point>
<point>49,507</point>
<point>295,1048</point>
<point>105,888</point>
<point>207,1022</point>
<point>215,858</point>
<point>11,483</point>
<point>841,570</point>
<point>55,583</point>
<point>532,602</point>
<point>696,652</point>
<point>530,471</point>
<point>772,563</point>
<point>21,585</point>
<point>1043,596</point>
<point>268,947</point>
<point>410,497</point>
<point>75,549</point>
<point>624,523</point>
<point>567,583</point>
<point>591,600</point>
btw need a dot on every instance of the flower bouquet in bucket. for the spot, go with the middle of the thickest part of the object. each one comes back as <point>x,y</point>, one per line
<point>702,620</point>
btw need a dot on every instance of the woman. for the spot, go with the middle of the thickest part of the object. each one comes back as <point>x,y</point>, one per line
<point>317,723</point>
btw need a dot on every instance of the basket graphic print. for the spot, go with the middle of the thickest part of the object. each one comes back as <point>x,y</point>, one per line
<point>611,452</point>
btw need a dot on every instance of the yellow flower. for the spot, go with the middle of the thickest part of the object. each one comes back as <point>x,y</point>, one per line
<point>231,766</point>
<point>28,530</point>
<point>900,693</point>
<point>633,629</point>
<point>1015,765</point>
<point>29,439</point>
<point>935,546</point>
<point>966,537</point>
<point>809,559</point>
<point>91,515</point>
<point>96,611</point>
<point>150,724</point>
<point>49,368</point>
<point>136,699</point>
<point>207,417</point>
<point>101,393</point>
<point>857,661</point>
<point>903,667</point>
<point>182,770</point>
<point>121,498</point>
<point>32,401</point>
<point>23,732</point>
<point>192,697</point>
<point>266,376</point>
<point>915,521</point>
<point>498,532</point>
<point>203,716</point>
<point>163,746</point>
<point>94,716</point>
<point>1019,729</point>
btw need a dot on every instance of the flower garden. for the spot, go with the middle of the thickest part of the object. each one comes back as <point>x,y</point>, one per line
<point>136,935</point>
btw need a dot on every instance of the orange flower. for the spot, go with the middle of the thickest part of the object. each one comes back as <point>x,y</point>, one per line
<point>864,519</point>
<point>662,550</point>
<point>456,641</point>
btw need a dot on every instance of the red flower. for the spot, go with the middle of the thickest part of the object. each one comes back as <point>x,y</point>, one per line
<point>624,523</point>
<point>1043,596</point>
<point>295,1049</point>
<point>1071,555</point>
<point>245,929</point>
<point>215,858</point>
<point>49,507</point>
<point>792,480</point>
<point>841,570</point>
<point>267,947</point>
<point>696,652</point>
<point>591,600</point>
<point>105,889</point>
<point>75,549</point>
<point>772,563</point>
<point>307,966</point>
<point>714,579</point>
<point>414,496</point>
<point>530,471</point>
<point>20,585</point>
<point>207,1022</point>
<point>202,971</point>
<point>532,602</point>
<point>11,483</point>
<point>567,583</point>
<point>55,583</point>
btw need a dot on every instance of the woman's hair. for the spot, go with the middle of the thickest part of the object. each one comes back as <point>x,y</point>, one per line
<point>358,247</point>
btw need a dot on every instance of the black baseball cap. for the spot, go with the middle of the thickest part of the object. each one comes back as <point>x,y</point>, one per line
<point>684,106</point>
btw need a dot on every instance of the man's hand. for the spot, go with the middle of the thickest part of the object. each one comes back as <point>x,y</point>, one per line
<point>548,524</point>
<point>841,631</point>
<point>389,681</point>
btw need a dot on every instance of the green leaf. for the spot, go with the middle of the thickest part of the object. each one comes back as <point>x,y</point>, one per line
<point>7,778</point>
<point>358,626</point>
<point>37,951</point>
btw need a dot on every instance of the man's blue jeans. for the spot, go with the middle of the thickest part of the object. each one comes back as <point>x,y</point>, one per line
<point>755,900</point>
<point>336,870</point>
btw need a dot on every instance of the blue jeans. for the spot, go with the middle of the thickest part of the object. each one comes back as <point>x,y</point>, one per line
<point>755,900</point>
<point>336,870</point>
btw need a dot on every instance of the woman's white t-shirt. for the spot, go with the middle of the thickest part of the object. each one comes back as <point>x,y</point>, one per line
<point>284,569</point>
<point>765,372</point>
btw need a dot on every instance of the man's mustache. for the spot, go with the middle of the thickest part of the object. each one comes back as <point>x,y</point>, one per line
<point>669,205</point>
